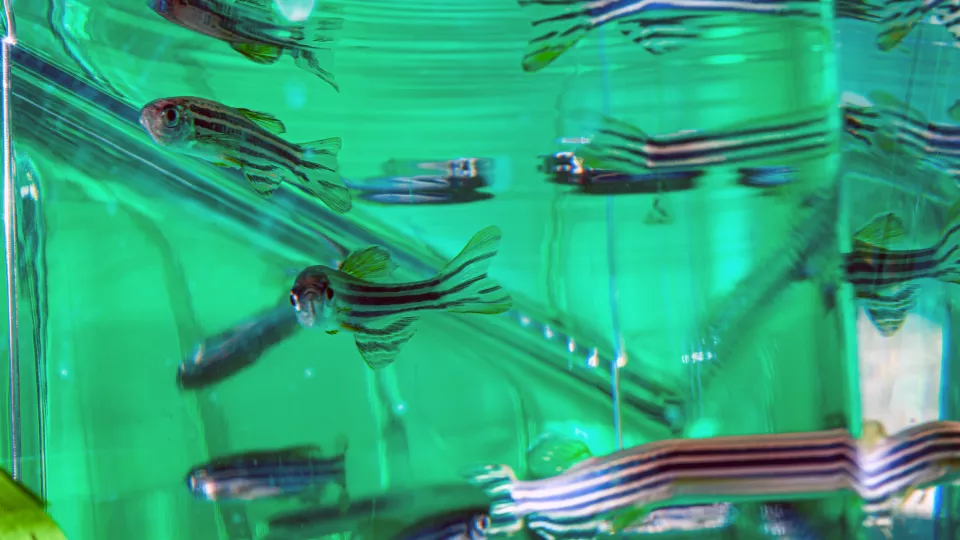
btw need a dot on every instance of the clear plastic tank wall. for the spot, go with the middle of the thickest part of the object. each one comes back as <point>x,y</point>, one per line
<point>905,378</point>
<point>146,254</point>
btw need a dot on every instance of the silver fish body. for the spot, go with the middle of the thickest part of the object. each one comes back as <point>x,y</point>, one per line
<point>382,316</point>
<point>247,140</point>
<point>265,474</point>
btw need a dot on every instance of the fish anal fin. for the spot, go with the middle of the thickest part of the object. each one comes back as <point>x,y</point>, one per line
<point>264,120</point>
<point>264,183</point>
<point>371,263</point>
<point>881,231</point>
<point>381,348</point>
<point>887,321</point>
<point>259,53</point>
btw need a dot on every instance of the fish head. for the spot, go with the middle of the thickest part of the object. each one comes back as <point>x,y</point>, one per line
<point>312,296</point>
<point>478,527</point>
<point>168,121</point>
<point>198,484</point>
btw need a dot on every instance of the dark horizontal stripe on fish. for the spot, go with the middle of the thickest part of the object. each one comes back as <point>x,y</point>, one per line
<point>242,125</point>
<point>361,287</point>
<point>722,159</point>
<point>668,141</point>
<point>664,153</point>
<point>362,315</point>
<point>430,295</point>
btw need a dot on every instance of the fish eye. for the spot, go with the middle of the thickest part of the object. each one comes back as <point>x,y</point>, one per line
<point>293,300</point>
<point>329,293</point>
<point>170,116</point>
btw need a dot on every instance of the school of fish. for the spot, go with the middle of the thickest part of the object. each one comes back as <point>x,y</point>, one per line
<point>666,485</point>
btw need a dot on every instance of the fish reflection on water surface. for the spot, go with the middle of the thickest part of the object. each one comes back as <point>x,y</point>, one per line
<point>301,471</point>
<point>382,316</point>
<point>247,140</point>
<point>254,31</point>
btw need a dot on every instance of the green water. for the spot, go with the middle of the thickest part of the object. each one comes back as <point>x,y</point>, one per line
<point>141,253</point>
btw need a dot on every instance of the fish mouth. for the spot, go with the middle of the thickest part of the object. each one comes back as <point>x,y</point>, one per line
<point>306,315</point>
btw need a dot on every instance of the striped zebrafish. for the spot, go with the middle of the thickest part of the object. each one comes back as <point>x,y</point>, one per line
<point>382,317</point>
<point>606,495</point>
<point>254,31</point>
<point>301,471</point>
<point>227,353</point>
<point>246,139</point>
<point>887,279</point>
<point>469,524</point>
<point>660,25</point>
<point>620,146</point>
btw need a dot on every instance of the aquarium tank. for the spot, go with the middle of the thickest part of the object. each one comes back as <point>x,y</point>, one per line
<point>559,269</point>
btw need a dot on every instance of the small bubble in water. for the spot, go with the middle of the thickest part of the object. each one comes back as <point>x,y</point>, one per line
<point>296,94</point>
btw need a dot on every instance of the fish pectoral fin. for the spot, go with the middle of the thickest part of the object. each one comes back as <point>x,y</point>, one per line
<point>881,230</point>
<point>627,518</point>
<point>220,139</point>
<point>379,350</point>
<point>258,52</point>
<point>264,120</point>
<point>372,263</point>
<point>264,182</point>
<point>333,332</point>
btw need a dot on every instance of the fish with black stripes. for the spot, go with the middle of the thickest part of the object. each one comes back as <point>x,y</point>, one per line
<point>886,279</point>
<point>611,494</point>
<point>255,31</point>
<point>659,25</point>
<point>247,140</point>
<point>774,140</point>
<point>382,316</point>
<point>302,471</point>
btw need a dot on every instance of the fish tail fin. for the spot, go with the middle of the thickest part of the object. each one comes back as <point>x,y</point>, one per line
<point>497,481</point>
<point>555,32</point>
<point>465,282</point>
<point>319,172</point>
<point>307,61</point>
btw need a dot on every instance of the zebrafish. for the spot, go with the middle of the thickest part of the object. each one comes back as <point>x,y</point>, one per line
<point>245,139</point>
<point>659,25</point>
<point>22,514</point>
<point>301,471</point>
<point>620,146</point>
<point>468,524</point>
<point>609,494</point>
<point>886,279</point>
<point>382,316</point>
<point>227,353</point>
<point>552,454</point>
<point>253,31</point>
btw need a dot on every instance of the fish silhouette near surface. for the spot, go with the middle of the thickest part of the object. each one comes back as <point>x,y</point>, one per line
<point>383,316</point>
<point>254,31</point>
<point>22,514</point>
<point>659,26</point>
<point>246,476</point>
<point>247,140</point>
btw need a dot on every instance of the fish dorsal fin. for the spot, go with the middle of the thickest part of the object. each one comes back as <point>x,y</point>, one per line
<point>264,120</point>
<point>881,231</point>
<point>552,454</point>
<point>371,263</point>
